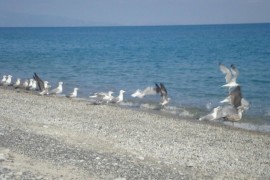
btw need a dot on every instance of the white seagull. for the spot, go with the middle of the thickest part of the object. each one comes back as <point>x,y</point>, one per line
<point>57,90</point>
<point>147,91</point>
<point>231,75</point>
<point>8,81</point>
<point>25,84</point>
<point>34,85</point>
<point>119,98</point>
<point>227,112</point>
<point>212,116</point>
<point>73,94</point>
<point>4,79</point>
<point>45,91</point>
<point>17,83</point>
<point>103,96</point>
<point>30,83</point>
<point>158,89</point>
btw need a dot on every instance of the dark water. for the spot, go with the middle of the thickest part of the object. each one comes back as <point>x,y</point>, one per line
<point>184,58</point>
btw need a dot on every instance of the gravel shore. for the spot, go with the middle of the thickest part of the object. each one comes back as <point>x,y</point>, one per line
<point>60,138</point>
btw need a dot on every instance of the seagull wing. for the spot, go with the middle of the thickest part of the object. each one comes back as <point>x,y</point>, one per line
<point>236,96</point>
<point>163,90</point>
<point>244,104</point>
<point>158,89</point>
<point>234,71</point>
<point>138,93</point>
<point>226,71</point>
<point>39,81</point>
<point>150,91</point>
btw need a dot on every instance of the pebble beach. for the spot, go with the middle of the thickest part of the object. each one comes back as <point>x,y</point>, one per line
<point>46,137</point>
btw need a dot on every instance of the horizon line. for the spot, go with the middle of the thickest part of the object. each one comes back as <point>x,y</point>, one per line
<point>157,25</point>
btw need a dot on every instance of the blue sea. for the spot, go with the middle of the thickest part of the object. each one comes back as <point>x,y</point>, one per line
<point>184,58</point>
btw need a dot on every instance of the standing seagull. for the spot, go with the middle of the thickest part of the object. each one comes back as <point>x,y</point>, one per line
<point>30,84</point>
<point>103,96</point>
<point>4,79</point>
<point>17,83</point>
<point>119,98</point>
<point>25,84</point>
<point>34,85</point>
<point>227,112</point>
<point>213,115</point>
<point>57,90</point>
<point>231,75</point>
<point>8,81</point>
<point>73,94</point>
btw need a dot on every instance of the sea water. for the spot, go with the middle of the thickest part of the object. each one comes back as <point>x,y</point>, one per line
<point>184,58</point>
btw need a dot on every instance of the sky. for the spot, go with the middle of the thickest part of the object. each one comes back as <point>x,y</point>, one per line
<point>131,12</point>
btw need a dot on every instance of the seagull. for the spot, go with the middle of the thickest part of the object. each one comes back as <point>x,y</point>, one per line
<point>57,90</point>
<point>73,94</point>
<point>234,97</point>
<point>158,89</point>
<point>4,79</point>
<point>165,100</point>
<point>39,82</point>
<point>8,81</point>
<point>103,96</point>
<point>231,75</point>
<point>34,85</point>
<point>212,116</point>
<point>45,91</point>
<point>30,83</point>
<point>25,84</point>
<point>17,83</point>
<point>43,86</point>
<point>227,112</point>
<point>147,91</point>
<point>163,93</point>
<point>119,98</point>
<point>232,114</point>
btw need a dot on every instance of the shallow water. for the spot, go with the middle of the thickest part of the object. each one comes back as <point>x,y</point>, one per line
<point>184,58</point>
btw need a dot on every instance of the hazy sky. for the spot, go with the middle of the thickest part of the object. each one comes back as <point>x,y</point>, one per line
<point>131,12</point>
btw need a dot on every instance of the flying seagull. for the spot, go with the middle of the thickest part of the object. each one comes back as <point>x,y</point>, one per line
<point>163,93</point>
<point>231,75</point>
<point>147,91</point>
<point>158,89</point>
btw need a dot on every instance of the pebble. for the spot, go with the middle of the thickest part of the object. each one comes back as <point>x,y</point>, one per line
<point>168,142</point>
<point>2,157</point>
